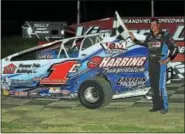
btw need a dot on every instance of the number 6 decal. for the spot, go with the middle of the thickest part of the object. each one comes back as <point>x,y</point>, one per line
<point>59,73</point>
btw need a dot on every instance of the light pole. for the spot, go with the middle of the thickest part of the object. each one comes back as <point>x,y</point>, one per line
<point>152,8</point>
<point>78,12</point>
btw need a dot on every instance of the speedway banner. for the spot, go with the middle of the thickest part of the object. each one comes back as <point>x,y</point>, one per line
<point>174,25</point>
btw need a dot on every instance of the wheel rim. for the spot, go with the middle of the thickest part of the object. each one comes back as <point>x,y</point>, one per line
<point>91,94</point>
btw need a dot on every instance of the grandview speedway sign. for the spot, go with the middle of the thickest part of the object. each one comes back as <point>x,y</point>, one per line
<point>175,26</point>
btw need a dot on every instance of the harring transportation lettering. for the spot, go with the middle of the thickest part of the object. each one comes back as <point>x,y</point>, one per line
<point>125,69</point>
<point>119,62</point>
<point>105,62</point>
<point>131,82</point>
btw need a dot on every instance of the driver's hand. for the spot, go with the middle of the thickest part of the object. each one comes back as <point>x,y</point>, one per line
<point>131,35</point>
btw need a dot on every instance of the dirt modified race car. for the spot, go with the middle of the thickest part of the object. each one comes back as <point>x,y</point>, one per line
<point>94,68</point>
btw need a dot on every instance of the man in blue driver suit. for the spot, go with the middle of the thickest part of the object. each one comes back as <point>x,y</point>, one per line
<point>158,43</point>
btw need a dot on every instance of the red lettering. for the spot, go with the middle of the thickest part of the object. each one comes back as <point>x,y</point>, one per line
<point>59,73</point>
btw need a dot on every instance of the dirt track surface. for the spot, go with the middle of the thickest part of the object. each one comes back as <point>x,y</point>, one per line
<point>126,115</point>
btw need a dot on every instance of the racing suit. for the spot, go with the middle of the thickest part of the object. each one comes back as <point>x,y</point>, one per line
<point>158,50</point>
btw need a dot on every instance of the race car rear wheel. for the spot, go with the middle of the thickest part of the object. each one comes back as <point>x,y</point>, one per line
<point>95,93</point>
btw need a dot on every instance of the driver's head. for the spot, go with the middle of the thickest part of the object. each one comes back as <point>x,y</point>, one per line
<point>154,25</point>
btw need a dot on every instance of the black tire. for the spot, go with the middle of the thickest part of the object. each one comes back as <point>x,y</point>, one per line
<point>104,90</point>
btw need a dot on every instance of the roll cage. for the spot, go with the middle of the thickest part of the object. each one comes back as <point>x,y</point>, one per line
<point>65,48</point>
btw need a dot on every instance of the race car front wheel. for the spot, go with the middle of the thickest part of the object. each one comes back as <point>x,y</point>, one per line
<point>95,93</point>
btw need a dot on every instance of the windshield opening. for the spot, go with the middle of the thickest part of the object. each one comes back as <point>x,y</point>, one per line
<point>90,41</point>
<point>72,47</point>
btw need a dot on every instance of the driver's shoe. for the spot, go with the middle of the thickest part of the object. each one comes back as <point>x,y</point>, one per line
<point>154,109</point>
<point>164,111</point>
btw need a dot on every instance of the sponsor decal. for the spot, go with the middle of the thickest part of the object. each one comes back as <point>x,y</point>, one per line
<point>112,48</point>
<point>10,69</point>
<point>23,94</point>
<point>46,56</point>
<point>45,94</point>
<point>22,68</point>
<point>131,82</point>
<point>16,82</point>
<point>65,92</point>
<point>18,93</point>
<point>94,62</point>
<point>159,36</point>
<point>108,62</point>
<point>125,69</point>
<point>40,25</point>
<point>36,79</point>
<point>33,94</point>
<point>43,29</point>
<point>153,45</point>
<point>27,68</point>
<point>5,81</point>
<point>6,92</point>
<point>54,90</point>
<point>59,72</point>
<point>12,92</point>
<point>43,90</point>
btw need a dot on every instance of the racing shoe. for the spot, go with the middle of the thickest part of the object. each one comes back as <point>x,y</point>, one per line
<point>164,111</point>
<point>154,109</point>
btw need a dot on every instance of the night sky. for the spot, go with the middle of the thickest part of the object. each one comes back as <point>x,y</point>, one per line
<point>14,14</point>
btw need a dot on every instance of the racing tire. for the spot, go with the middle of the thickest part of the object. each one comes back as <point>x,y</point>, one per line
<point>103,88</point>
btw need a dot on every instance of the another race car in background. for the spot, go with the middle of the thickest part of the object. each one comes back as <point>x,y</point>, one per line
<point>94,68</point>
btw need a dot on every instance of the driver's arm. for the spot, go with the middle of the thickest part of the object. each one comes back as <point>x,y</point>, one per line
<point>171,46</point>
<point>142,43</point>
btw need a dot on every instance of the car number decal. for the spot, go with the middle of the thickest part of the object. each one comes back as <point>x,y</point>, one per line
<point>59,73</point>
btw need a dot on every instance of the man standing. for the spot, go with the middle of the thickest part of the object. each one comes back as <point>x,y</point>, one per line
<point>158,43</point>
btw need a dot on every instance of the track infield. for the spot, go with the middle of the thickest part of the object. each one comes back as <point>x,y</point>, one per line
<point>126,115</point>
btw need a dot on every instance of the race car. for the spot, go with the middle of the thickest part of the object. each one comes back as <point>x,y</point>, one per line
<point>93,68</point>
